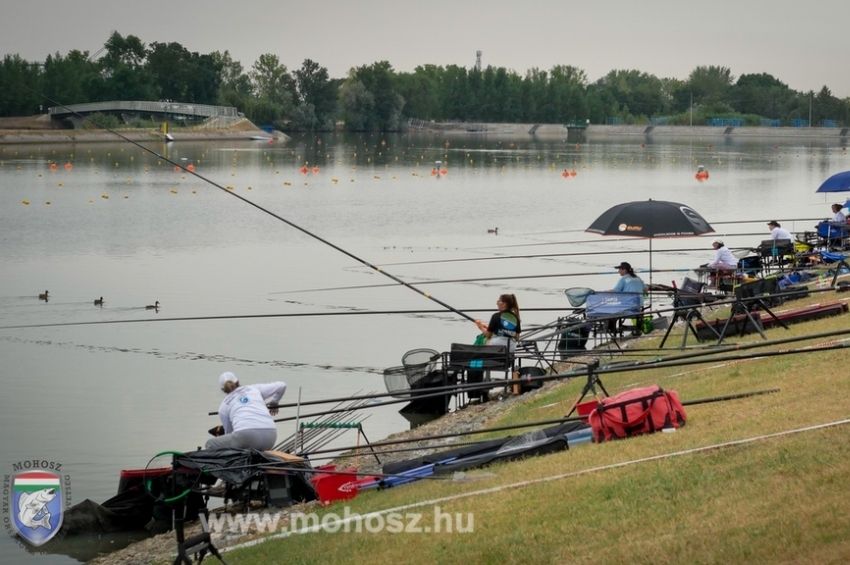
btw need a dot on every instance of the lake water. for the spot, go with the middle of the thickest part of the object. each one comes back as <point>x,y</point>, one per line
<point>124,225</point>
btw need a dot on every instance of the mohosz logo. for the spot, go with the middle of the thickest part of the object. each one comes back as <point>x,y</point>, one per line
<point>34,500</point>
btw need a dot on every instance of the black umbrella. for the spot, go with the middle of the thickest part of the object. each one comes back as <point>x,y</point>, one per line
<point>650,219</point>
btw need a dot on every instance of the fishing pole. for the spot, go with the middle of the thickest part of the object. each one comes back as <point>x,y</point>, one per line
<point>546,255</point>
<point>690,359</point>
<point>450,435</point>
<point>449,389</point>
<point>269,212</point>
<point>259,316</point>
<point>478,279</point>
<point>616,239</point>
<point>694,402</point>
<point>792,220</point>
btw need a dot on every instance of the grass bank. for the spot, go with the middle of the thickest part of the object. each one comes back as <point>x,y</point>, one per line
<point>777,499</point>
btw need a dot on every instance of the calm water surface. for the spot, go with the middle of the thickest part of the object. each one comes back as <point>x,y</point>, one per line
<point>123,225</point>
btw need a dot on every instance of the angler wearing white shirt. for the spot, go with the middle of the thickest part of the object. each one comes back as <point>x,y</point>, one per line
<point>778,232</point>
<point>838,216</point>
<point>246,419</point>
<point>723,258</point>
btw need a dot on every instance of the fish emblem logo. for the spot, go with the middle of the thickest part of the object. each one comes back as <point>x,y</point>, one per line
<point>37,506</point>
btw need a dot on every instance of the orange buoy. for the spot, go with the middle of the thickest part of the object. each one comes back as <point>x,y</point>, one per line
<point>444,171</point>
<point>565,173</point>
<point>573,172</point>
<point>315,170</point>
<point>176,169</point>
<point>53,166</point>
<point>69,166</point>
<point>433,172</point>
<point>190,167</point>
<point>303,170</point>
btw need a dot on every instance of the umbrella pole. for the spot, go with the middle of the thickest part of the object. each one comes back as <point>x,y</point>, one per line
<point>650,273</point>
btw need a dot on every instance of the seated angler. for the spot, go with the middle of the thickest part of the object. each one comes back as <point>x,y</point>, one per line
<point>246,419</point>
<point>724,263</point>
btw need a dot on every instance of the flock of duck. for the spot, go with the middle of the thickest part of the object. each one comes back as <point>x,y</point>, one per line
<point>97,301</point>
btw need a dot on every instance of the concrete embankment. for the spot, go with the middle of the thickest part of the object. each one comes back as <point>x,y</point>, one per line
<point>650,132</point>
<point>25,131</point>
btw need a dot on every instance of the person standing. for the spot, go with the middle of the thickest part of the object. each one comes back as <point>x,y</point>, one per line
<point>504,326</point>
<point>246,419</point>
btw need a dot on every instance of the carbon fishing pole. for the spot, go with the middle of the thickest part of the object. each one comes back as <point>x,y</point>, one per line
<point>257,316</point>
<point>269,212</point>
<point>616,239</point>
<point>723,222</point>
<point>694,402</point>
<point>453,434</point>
<point>450,389</point>
<point>546,255</point>
<point>478,279</point>
<point>637,366</point>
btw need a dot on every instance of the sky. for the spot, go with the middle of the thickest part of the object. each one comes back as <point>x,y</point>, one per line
<point>804,44</point>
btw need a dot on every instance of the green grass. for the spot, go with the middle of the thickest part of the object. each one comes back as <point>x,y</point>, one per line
<point>777,500</point>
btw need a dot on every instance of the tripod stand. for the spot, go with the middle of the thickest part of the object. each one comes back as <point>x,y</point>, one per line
<point>741,307</point>
<point>687,309</point>
<point>590,386</point>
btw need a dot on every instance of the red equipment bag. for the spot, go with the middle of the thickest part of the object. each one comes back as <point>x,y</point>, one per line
<point>637,411</point>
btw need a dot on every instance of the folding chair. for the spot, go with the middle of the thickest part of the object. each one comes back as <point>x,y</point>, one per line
<point>775,252</point>
<point>471,362</point>
<point>608,310</point>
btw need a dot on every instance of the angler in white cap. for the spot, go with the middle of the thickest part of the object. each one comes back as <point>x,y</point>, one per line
<point>723,258</point>
<point>246,419</point>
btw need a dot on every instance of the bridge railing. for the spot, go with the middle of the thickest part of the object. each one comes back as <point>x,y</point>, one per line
<point>154,107</point>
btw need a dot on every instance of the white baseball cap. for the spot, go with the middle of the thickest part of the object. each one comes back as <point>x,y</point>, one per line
<point>226,377</point>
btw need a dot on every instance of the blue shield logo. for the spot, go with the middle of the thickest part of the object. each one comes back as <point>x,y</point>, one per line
<point>37,505</point>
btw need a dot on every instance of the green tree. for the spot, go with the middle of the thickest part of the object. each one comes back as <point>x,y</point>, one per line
<point>710,85</point>
<point>123,71</point>
<point>21,82</point>
<point>357,104</point>
<point>71,79</point>
<point>235,88</point>
<point>383,106</point>
<point>316,95</point>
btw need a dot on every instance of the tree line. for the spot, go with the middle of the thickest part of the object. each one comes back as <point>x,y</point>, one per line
<point>376,97</point>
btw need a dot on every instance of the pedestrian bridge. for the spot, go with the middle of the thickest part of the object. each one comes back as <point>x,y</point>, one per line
<point>161,109</point>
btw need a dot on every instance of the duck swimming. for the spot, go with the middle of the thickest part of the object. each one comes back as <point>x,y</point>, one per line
<point>43,296</point>
<point>154,306</point>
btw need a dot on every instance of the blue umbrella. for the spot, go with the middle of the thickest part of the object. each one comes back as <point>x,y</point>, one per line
<point>839,182</point>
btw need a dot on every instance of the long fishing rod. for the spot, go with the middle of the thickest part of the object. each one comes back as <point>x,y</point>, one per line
<point>713,223</point>
<point>269,212</point>
<point>257,316</point>
<point>547,255</point>
<point>707,400</point>
<point>449,389</point>
<point>478,279</point>
<point>450,435</point>
<point>616,239</point>
<point>637,366</point>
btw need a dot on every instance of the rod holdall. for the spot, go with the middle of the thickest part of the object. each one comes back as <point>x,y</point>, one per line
<point>635,412</point>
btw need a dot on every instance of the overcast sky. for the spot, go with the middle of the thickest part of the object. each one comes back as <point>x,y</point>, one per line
<point>804,44</point>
